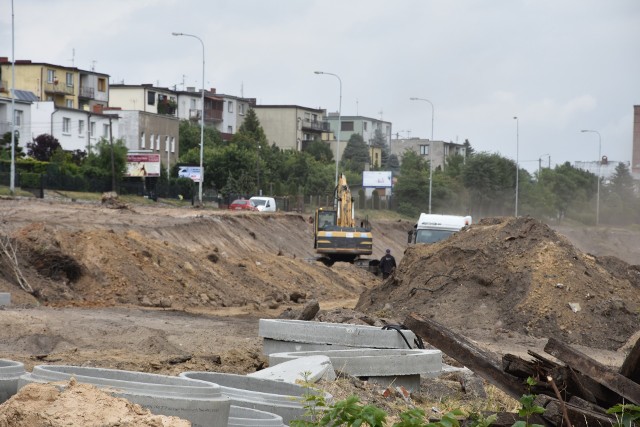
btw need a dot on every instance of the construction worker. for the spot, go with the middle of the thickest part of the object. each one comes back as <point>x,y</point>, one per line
<point>387,264</point>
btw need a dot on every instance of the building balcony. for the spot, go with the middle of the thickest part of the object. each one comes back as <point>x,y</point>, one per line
<point>58,88</point>
<point>212,115</point>
<point>87,92</point>
<point>315,125</point>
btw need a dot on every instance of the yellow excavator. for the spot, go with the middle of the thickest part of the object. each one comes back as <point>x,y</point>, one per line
<point>337,237</point>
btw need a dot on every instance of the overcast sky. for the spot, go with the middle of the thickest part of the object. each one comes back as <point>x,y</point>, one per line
<point>558,65</point>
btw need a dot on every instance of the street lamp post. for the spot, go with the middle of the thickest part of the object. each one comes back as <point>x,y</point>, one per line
<point>430,148</point>
<point>540,163</point>
<point>599,165</point>
<point>517,161</point>
<point>339,119</point>
<point>12,179</point>
<point>201,118</point>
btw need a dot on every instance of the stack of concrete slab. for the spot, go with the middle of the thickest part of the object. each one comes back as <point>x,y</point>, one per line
<point>200,402</point>
<point>387,367</point>
<point>284,336</point>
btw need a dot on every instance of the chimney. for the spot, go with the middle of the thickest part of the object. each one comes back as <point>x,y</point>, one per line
<point>213,90</point>
<point>191,89</point>
<point>97,109</point>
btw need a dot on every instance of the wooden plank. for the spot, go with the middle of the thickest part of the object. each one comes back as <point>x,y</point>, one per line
<point>631,365</point>
<point>579,417</point>
<point>579,361</point>
<point>465,352</point>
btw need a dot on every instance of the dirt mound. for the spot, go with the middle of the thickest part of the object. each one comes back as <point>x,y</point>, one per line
<point>514,275</point>
<point>40,405</point>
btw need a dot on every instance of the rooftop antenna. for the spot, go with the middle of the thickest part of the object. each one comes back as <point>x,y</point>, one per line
<point>93,65</point>
<point>73,56</point>
<point>183,83</point>
<point>357,106</point>
<point>242,90</point>
<point>380,112</point>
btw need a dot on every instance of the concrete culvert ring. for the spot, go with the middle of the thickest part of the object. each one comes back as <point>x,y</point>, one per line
<point>200,402</point>
<point>10,373</point>
<point>246,417</point>
<point>281,398</point>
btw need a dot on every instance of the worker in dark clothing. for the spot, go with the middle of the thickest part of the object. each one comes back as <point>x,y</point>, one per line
<point>387,264</point>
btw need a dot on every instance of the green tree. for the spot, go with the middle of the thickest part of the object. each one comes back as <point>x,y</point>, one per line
<point>98,162</point>
<point>190,137</point>
<point>468,149</point>
<point>356,154</point>
<point>621,203</point>
<point>490,179</point>
<point>379,141</point>
<point>320,150</point>
<point>5,147</point>
<point>412,187</point>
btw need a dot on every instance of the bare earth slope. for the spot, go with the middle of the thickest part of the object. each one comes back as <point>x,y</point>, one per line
<point>508,275</point>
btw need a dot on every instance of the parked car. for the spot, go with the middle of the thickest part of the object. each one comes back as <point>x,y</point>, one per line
<point>264,204</point>
<point>243,205</point>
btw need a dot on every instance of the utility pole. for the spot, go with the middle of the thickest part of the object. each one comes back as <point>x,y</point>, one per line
<point>113,163</point>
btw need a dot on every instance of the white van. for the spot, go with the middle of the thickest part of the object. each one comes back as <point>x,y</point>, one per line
<point>432,228</point>
<point>264,204</point>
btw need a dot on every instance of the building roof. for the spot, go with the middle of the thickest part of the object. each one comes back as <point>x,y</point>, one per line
<point>320,110</point>
<point>25,95</point>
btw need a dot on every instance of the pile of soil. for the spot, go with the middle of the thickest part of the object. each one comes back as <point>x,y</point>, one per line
<point>514,275</point>
<point>44,405</point>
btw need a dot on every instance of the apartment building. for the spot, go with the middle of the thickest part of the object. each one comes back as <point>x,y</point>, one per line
<point>234,109</point>
<point>364,126</point>
<point>67,87</point>
<point>291,126</point>
<point>436,151</point>
<point>22,115</point>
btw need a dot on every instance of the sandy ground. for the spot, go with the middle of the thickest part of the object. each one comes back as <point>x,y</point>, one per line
<point>165,290</point>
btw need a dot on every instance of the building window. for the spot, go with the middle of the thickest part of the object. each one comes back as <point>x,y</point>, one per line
<point>51,76</point>
<point>241,109</point>
<point>193,104</point>
<point>151,98</point>
<point>102,84</point>
<point>230,106</point>
<point>229,129</point>
<point>69,103</point>
<point>446,150</point>
<point>18,117</point>
<point>92,129</point>
<point>347,126</point>
<point>364,125</point>
<point>105,130</point>
<point>424,150</point>
<point>158,143</point>
<point>66,125</point>
<point>80,127</point>
<point>143,142</point>
<point>70,79</point>
<point>152,140</point>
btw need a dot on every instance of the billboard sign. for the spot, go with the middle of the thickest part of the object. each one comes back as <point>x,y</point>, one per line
<point>143,165</point>
<point>376,179</point>
<point>192,172</point>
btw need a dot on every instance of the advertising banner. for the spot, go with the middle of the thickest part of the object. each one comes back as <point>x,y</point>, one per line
<point>377,179</point>
<point>192,172</point>
<point>143,165</point>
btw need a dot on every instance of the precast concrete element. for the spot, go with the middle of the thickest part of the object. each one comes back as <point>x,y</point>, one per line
<point>5,298</point>
<point>311,369</point>
<point>383,366</point>
<point>200,402</point>
<point>270,346</point>
<point>280,398</point>
<point>10,373</point>
<point>301,333</point>
<point>246,417</point>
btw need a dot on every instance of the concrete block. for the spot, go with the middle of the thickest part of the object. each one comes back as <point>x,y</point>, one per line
<point>312,369</point>
<point>5,298</point>
<point>247,417</point>
<point>280,398</point>
<point>339,334</point>
<point>10,373</point>
<point>200,402</point>
<point>277,346</point>
<point>384,366</point>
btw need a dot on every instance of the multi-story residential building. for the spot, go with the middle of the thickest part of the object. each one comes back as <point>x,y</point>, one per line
<point>436,151</point>
<point>291,126</point>
<point>67,87</point>
<point>233,113</point>
<point>364,126</point>
<point>146,132</point>
<point>144,97</point>
<point>22,108</point>
<point>73,128</point>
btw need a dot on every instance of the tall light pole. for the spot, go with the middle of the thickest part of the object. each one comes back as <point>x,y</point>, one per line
<point>430,148</point>
<point>517,161</point>
<point>540,163</point>
<point>339,119</point>
<point>12,179</point>
<point>599,165</point>
<point>201,117</point>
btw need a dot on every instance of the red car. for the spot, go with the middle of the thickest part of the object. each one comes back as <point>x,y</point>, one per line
<point>243,205</point>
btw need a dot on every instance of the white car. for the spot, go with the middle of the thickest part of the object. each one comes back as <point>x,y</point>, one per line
<point>264,204</point>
